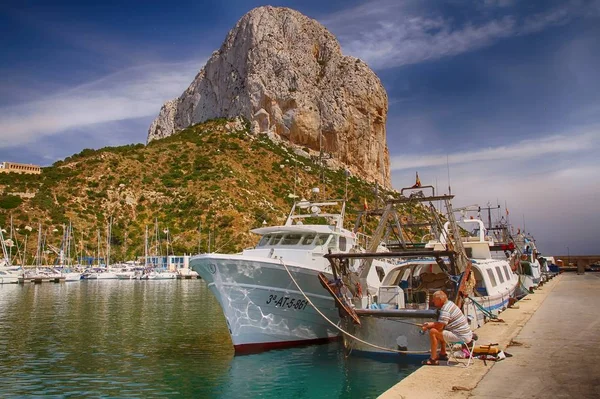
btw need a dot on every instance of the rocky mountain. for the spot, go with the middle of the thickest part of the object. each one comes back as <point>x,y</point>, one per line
<point>286,74</point>
<point>207,186</point>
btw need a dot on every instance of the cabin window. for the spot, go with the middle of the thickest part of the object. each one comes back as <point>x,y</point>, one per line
<point>333,243</point>
<point>380,273</point>
<point>264,240</point>
<point>308,239</point>
<point>290,239</point>
<point>492,278</point>
<point>507,273</point>
<point>276,239</point>
<point>500,276</point>
<point>342,243</point>
<point>321,239</point>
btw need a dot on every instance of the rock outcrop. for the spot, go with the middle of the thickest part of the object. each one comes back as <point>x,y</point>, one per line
<point>286,74</point>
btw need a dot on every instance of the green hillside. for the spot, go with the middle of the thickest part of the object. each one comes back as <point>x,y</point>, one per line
<point>226,182</point>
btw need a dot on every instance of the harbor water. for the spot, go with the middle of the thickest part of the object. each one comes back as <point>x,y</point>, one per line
<point>124,338</point>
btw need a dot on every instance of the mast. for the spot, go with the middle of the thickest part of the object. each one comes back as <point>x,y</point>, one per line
<point>38,254</point>
<point>489,210</point>
<point>98,251</point>
<point>11,239</point>
<point>146,248</point>
<point>108,236</point>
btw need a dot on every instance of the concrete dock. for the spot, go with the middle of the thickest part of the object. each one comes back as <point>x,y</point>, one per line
<point>555,334</point>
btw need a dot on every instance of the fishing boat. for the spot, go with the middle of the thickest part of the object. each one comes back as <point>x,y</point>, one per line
<point>263,308</point>
<point>529,268</point>
<point>431,255</point>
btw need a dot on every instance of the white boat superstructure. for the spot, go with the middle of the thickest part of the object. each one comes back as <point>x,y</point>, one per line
<point>263,307</point>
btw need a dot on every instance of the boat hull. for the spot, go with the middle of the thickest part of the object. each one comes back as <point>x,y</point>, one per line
<point>9,279</point>
<point>262,306</point>
<point>486,306</point>
<point>395,330</point>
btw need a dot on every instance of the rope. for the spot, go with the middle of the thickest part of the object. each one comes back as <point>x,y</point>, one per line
<point>527,290</point>
<point>338,327</point>
<point>486,312</point>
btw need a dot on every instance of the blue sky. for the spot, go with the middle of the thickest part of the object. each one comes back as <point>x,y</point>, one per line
<point>506,92</point>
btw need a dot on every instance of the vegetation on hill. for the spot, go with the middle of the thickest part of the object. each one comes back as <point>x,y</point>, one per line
<point>206,181</point>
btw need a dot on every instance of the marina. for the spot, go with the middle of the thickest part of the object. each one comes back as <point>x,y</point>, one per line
<point>337,200</point>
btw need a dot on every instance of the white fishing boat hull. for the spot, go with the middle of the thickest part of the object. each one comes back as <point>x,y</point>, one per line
<point>486,306</point>
<point>501,285</point>
<point>263,307</point>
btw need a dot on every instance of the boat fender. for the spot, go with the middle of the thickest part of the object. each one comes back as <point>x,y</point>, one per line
<point>359,292</point>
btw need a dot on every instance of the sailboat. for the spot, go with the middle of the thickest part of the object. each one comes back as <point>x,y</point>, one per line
<point>8,274</point>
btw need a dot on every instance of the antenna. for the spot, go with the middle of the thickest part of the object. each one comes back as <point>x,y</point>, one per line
<point>448,167</point>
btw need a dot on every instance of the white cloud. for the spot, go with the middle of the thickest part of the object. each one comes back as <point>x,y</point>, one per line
<point>132,93</point>
<point>534,148</point>
<point>389,34</point>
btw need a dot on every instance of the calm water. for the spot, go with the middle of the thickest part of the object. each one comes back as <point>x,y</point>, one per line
<point>158,338</point>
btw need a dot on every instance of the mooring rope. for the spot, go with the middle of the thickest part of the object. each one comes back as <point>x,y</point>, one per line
<point>486,312</point>
<point>341,329</point>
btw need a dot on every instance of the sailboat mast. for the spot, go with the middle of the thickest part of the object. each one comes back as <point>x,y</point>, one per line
<point>38,254</point>
<point>98,248</point>
<point>146,248</point>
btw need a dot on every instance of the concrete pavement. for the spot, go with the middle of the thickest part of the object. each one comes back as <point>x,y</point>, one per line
<point>560,355</point>
<point>556,358</point>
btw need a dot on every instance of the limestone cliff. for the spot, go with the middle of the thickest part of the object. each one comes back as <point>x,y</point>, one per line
<point>286,74</point>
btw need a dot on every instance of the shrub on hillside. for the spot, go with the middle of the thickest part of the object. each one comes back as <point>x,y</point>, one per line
<point>10,201</point>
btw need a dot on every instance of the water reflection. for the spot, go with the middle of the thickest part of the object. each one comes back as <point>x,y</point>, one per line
<point>157,338</point>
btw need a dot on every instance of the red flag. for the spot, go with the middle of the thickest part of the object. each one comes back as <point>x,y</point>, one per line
<point>417,182</point>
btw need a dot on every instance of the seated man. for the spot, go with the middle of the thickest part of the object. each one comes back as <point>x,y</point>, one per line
<point>452,326</point>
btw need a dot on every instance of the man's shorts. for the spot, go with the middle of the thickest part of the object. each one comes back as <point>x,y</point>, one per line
<point>449,336</point>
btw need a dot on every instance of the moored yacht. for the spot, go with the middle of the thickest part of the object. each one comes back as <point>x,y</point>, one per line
<point>263,307</point>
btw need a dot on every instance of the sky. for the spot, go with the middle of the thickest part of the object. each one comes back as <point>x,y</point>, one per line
<point>498,99</point>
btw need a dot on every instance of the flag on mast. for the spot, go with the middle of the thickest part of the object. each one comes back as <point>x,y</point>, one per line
<point>417,182</point>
